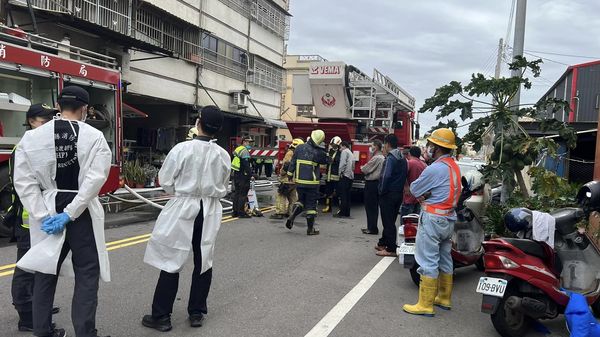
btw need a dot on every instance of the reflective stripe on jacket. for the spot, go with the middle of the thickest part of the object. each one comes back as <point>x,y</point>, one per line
<point>305,164</point>
<point>238,155</point>
<point>333,169</point>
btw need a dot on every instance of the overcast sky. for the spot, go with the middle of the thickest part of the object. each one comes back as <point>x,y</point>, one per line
<point>424,44</point>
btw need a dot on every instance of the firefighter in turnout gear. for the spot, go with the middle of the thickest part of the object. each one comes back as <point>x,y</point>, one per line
<point>333,173</point>
<point>438,190</point>
<point>242,174</point>
<point>286,193</point>
<point>18,218</point>
<point>305,169</point>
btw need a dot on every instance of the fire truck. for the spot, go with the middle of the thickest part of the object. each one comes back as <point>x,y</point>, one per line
<point>34,69</point>
<point>353,106</point>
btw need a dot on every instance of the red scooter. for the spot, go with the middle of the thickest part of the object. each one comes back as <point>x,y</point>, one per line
<point>467,249</point>
<point>527,280</point>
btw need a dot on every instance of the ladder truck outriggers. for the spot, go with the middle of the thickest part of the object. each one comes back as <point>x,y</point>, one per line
<point>354,106</point>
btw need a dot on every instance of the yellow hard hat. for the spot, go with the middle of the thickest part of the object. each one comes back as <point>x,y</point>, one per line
<point>318,136</point>
<point>443,137</point>
<point>296,142</point>
<point>192,133</point>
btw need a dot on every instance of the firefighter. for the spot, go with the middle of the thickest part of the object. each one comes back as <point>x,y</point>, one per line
<point>18,218</point>
<point>437,189</point>
<point>305,170</point>
<point>60,167</point>
<point>286,193</point>
<point>242,175</point>
<point>333,176</point>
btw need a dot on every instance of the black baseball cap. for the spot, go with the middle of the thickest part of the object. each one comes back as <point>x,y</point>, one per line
<point>40,110</point>
<point>74,95</point>
<point>211,119</point>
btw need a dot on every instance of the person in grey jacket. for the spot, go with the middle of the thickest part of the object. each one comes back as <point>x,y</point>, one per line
<point>346,177</point>
<point>372,171</point>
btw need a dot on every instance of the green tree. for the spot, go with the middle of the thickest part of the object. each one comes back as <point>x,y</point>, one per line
<point>513,147</point>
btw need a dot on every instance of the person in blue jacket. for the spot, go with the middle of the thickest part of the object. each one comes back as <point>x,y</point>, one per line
<point>391,193</point>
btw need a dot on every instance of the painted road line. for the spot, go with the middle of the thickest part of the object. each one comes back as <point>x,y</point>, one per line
<point>113,245</point>
<point>343,307</point>
<point>8,266</point>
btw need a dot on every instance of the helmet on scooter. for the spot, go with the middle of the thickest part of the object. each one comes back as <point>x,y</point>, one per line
<point>517,219</point>
<point>588,196</point>
<point>472,180</point>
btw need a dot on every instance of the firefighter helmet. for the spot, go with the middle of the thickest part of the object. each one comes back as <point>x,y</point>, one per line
<point>336,141</point>
<point>317,136</point>
<point>296,142</point>
<point>192,133</point>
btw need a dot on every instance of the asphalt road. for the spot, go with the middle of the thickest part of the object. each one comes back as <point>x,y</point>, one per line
<point>269,281</point>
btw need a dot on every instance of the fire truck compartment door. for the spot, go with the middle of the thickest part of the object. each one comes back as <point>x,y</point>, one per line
<point>328,88</point>
<point>346,131</point>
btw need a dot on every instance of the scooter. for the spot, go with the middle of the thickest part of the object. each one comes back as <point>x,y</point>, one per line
<point>467,249</point>
<point>527,280</point>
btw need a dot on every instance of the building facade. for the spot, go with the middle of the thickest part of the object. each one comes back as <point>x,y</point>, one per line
<point>177,56</point>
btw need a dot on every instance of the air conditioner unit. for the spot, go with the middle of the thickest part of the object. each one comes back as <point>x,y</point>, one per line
<point>239,100</point>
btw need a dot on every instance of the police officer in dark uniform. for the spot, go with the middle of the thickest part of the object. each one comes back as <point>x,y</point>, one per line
<point>242,174</point>
<point>18,218</point>
<point>306,172</point>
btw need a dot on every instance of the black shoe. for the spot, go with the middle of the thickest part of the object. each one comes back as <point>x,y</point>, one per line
<point>196,320</point>
<point>277,217</point>
<point>55,310</point>
<point>161,324</point>
<point>58,333</point>
<point>244,216</point>
<point>367,231</point>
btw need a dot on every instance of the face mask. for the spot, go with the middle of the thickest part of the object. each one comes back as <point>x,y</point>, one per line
<point>83,115</point>
<point>430,152</point>
<point>373,150</point>
<point>248,147</point>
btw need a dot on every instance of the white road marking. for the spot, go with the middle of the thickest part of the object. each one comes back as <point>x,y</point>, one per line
<point>343,307</point>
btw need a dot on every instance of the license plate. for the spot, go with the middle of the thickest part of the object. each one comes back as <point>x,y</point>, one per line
<point>406,249</point>
<point>492,286</point>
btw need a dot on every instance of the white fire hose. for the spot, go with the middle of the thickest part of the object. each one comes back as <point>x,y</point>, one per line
<point>227,209</point>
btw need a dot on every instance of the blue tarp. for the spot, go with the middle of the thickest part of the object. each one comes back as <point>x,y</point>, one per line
<point>580,320</point>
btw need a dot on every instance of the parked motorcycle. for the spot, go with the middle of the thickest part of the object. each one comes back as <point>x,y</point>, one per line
<point>467,249</point>
<point>527,280</point>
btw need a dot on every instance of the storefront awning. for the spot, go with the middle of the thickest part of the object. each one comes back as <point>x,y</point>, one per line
<point>276,123</point>
<point>243,116</point>
<point>131,112</point>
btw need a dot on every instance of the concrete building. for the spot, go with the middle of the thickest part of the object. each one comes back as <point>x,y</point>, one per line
<point>295,65</point>
<point>177,56</point>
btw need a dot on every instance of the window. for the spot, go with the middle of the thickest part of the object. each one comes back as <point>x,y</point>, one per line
<point>271,17</point>
<point>224,58</point>
<point>267,74</point>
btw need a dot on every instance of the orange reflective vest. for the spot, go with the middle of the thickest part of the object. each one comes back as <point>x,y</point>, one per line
<point>447,207</point>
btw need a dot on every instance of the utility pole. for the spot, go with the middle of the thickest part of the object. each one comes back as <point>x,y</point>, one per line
<point>519,43</point>
<point>499,59</point>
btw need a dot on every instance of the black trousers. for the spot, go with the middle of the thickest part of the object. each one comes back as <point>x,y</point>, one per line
<point>390,204</point>
<point>168,283</point>
<point>22,282</point>
<point>308,197</point>
<point>268,169</point>
<point>240,194</point>
<point>80,241</point>
<point>344,189</point>
<point>371,200</point>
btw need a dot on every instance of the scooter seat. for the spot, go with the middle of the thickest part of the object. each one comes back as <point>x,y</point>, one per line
<point>528,247</point>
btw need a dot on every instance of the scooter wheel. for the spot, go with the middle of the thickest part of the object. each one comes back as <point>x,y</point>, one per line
<point>416,278</point>
<point>509,322</point>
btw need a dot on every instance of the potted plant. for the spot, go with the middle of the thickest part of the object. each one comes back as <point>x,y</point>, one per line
<point>150,173</point>
<point>129,173</point>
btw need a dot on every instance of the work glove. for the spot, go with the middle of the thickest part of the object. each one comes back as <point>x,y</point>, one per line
<point>55,224</point>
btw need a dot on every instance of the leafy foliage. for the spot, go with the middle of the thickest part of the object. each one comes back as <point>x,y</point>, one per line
<point>513,147</point>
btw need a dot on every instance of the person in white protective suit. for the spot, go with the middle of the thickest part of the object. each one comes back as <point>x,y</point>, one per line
<point>59,170</point>
<point>197,172</point>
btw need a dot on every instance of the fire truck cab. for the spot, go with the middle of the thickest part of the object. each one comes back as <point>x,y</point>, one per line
<point>34,69</point>
<point>354,106</point>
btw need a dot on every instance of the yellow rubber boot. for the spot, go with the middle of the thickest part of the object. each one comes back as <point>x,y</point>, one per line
<point>444,295</point>
<point>327,208</point>
<point>427,292</point>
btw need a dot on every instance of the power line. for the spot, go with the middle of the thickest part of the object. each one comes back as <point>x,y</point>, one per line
<point>546,59</point>
<point>510,23</point>
<point>565,55</point>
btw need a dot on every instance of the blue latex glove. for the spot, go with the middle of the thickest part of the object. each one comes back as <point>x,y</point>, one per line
<point>55,224</point>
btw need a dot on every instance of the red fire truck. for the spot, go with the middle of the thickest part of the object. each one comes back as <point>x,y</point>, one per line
<point>353,106</point>
<point>34,69</point>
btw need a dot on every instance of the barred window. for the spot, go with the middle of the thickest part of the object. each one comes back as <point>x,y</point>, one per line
<point>270,17</point>
<point>240,6</point>
<point>224,58</point>
<point>114,15</point>
<point>267,74</point>
<point>305,110</point>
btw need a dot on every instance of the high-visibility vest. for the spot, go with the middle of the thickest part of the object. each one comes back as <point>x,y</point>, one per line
<point>24,213</point>
<point>236,162</point>
<point>269,161</point>
<point>446,208</point>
